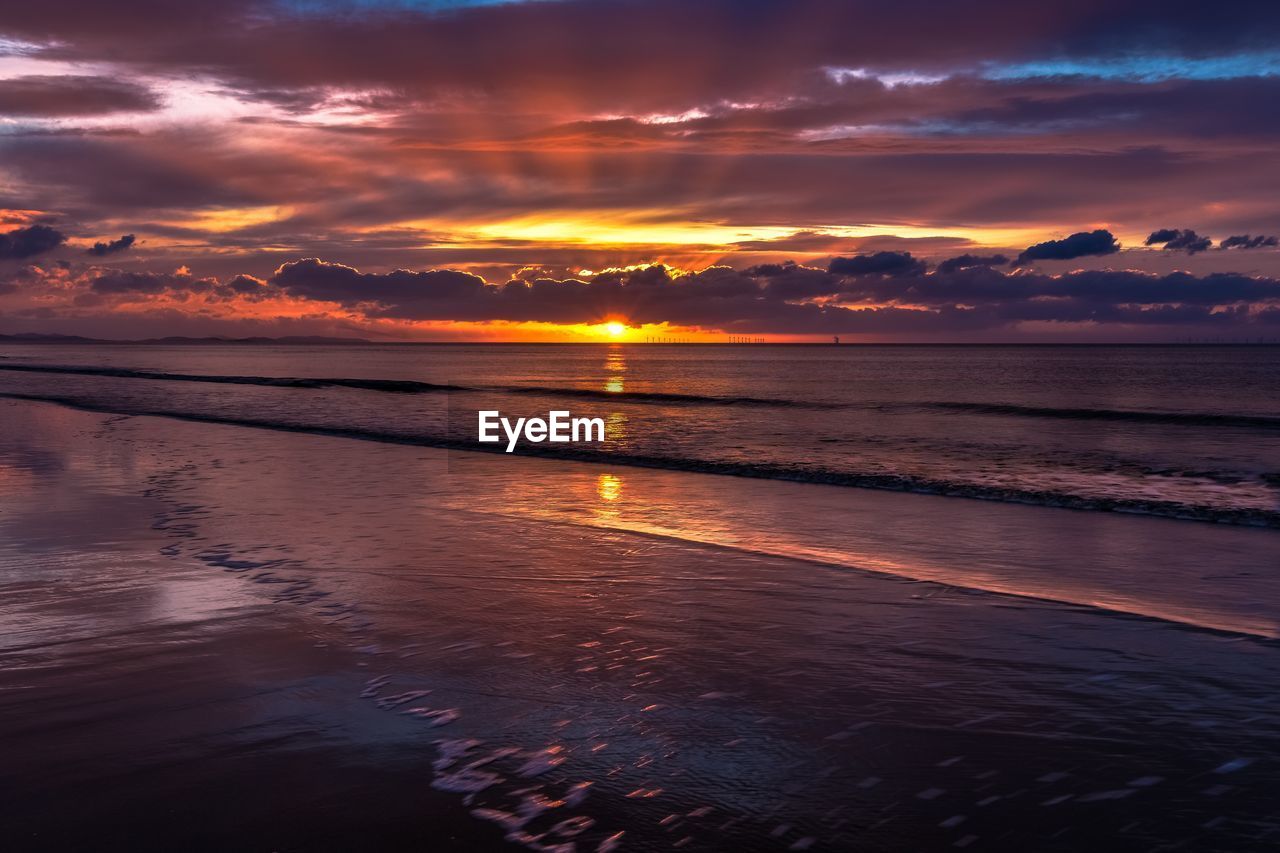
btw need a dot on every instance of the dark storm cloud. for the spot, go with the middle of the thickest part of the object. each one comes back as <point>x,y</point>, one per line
<point>246,284</point>
<point>1163,235</point>
<point>312,278</point>
<point>879,263</point>
<point>779,297</point>
<point>1246,241</point>
<point>115,282</point>
<point>71,95</point>
<point>1179,240</point>
<point>783,298</point>
<point>964,262</point>
<point>29,242</point>
<point>651,294</point>
<point>1093,288</point>
<point>789,282</point>
<point>1078,245</point>
<point>111,247</point>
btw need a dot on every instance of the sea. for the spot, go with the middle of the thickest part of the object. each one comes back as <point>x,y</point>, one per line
<point>891,598</point>
<point>1187,432</point>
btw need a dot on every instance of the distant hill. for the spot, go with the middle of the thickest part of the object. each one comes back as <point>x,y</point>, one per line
<point>313,340</point>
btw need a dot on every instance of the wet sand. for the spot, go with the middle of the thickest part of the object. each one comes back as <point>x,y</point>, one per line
<point>226,638</point>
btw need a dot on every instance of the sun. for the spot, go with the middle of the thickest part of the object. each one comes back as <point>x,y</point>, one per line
<point>615,330</point>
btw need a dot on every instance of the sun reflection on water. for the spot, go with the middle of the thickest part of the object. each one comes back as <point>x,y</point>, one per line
<point>609,491</point>
<point>615,429</point>
<point>615,364</point>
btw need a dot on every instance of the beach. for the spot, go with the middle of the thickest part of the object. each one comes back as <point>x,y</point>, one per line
<point>218,635</point>
<point>629,426</point>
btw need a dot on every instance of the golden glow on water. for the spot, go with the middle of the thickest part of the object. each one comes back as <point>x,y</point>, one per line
<point>615,363</point>
<point>773,520</point>
<point>615,429</point>
<point>609,487</point>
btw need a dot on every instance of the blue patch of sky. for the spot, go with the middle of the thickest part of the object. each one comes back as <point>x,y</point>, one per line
<point>1142,68</point>
<point>954,128</point>
<point>1136,68</point>
<point>15,47</point>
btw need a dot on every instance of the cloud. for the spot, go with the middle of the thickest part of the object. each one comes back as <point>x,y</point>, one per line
<point>29,242</point>
<point>1174,239</point>
<point>399,291</point>
<point>245,284</point>
<point>800,241</point>
<point>879,263</point>
<point>119,282</point>
<point>655,52</point>
<point>964,262</point>
<point>784,298</point>
<point>1245,241</point>
<point>1078,245</point>
<point>791,298</point>
<point>112,247</point>
<point>1186,110</point>
<point>72,95</point>
<point>389,135</point>
<point>331,192</point>
<point>1057,295</point>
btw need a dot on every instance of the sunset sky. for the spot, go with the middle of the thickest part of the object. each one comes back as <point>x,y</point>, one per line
<point>791,169</point>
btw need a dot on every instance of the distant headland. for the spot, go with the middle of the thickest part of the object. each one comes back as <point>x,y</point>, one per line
<point>177,340</point>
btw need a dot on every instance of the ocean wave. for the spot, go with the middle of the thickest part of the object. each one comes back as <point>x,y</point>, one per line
<point>661,397</point>
<point>1126,415</point>
<point>794,473</point>
<point>409,386</point>
<point>395,386</point>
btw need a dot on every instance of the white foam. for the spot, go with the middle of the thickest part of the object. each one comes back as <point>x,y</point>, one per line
<point>466,781</point>
<point>543,760</point>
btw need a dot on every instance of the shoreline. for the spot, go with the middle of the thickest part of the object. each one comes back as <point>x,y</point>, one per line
<point>794,548</point>
<point>297,593</point>
<point>1249,518</point>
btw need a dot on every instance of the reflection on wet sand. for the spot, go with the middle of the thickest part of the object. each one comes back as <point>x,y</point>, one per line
<point>1032,552</point>
<point>609,487</point>
<point>543,674</point>
<point>609,490</point>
